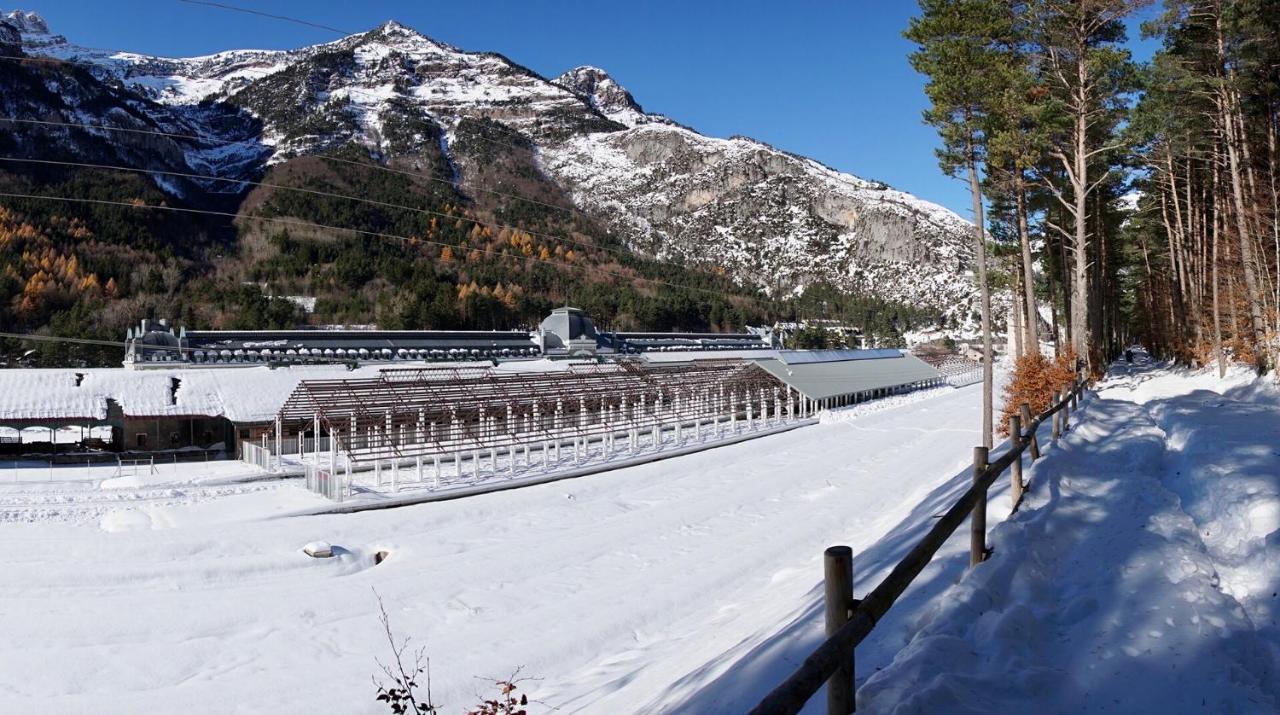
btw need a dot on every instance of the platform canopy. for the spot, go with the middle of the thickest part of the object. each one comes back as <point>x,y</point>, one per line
<point>848,372</point>
<point>397,413</point>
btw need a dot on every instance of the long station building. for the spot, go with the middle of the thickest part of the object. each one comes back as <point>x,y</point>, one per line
<point>214,390</point>
<point>566,332</point>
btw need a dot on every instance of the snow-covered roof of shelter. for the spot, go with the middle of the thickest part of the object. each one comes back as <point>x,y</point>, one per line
<point>687,355</point>
<point>789,357</point>
<point>241,394</point>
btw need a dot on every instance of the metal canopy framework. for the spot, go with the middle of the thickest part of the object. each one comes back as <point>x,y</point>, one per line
<point>435,412</point>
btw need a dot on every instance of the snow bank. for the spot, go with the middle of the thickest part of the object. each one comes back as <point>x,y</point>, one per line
<point>1141,570</point>
<point>631,591</point>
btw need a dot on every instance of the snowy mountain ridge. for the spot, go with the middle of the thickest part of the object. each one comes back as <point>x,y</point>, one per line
<point>766,217</point>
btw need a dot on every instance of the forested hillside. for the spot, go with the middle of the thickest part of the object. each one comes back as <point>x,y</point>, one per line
<point>393,180</point>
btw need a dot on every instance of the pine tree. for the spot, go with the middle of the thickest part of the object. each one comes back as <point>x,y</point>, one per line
<point>960,50</point>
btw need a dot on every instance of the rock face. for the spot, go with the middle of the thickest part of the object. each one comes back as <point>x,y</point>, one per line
<point>772,218</point>
<point>766,217</point>
<point>606,96</point>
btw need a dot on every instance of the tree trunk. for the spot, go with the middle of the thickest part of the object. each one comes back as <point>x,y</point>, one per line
<point>1227,108</point>
<point>1028,274</point>
<point>1016,316</point>
<point>980,246</point>
<point>1080,185</point>
<point>1217,308</point>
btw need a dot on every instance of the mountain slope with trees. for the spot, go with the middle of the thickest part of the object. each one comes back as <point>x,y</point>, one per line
<point>400,181</point>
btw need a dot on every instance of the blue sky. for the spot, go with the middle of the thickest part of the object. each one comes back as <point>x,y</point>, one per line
<point>826,79</point>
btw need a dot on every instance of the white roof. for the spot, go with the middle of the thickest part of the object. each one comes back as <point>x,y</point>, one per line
<point>241,394</point>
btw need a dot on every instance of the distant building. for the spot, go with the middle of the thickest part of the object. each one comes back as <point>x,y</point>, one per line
<point>156,345</point>
<point>569,331</point>
<point>566,332</point>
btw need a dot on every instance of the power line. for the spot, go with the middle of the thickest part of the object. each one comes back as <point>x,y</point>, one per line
<point>45,122</point>
<point>317,192</point>
<point>257,146</point>
<point>154,348</point>
<point>57,339</point>
<point>260,74</point>
<point>344,34</point>
<point>593,245</point>
<point>260,13</point>
<point>373,165</point>
<point>374,234</point>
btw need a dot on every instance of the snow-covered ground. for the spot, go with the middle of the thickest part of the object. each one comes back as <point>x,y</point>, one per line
<point>1141,575</point>
<point>691,585</point>
<point>644,589</point>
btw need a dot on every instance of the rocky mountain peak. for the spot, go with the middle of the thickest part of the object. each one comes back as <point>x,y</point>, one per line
<point>25,22</point>
<point>605,94</point>
<point>393,32</point>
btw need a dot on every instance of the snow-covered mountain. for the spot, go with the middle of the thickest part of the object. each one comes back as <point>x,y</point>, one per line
<point>764,216</point>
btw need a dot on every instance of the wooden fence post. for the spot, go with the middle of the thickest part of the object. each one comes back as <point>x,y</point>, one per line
<point>1067,397</point>
<point>1015,482</point>
<point>1057,417</point>
<point>837,570</point>
<point>1033,442</point>
<point>978,519</point>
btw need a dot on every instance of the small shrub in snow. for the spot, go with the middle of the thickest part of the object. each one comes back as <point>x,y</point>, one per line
<point>404,694</point>
<point>507,703</point>
<point>1035,380</point>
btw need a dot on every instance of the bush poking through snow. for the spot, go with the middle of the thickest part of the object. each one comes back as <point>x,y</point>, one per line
<point>1035,379</point>
<point>507,703</point>
<point>404,694</point>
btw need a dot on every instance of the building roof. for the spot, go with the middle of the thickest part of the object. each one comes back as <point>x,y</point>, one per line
<point>797,357</point>
<point>245,394</point>
<point>819,380</point>
<point>370,339</point>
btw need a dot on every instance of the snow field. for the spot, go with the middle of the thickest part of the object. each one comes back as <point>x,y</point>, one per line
<point>636,590</point>
<point>1139,576</point>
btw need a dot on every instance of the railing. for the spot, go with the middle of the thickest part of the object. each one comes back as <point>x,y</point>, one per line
<point>326,483</point>
<point>849,621</point>
<point>251,453</point>
<point>967,377</point>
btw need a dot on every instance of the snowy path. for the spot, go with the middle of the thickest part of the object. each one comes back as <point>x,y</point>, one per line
<point>1141,575</point>
<point>648,589</point>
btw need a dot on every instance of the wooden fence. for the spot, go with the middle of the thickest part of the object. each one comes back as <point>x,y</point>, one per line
<point>849,621</point>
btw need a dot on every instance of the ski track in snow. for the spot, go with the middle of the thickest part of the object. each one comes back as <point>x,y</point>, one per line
<point>1140,576</point>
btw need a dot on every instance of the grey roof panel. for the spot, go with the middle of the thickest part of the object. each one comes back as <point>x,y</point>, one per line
<point>796,357</point>
<point>819,380</point>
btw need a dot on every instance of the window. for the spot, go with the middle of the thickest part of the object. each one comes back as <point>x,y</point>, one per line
<point>141,440</point>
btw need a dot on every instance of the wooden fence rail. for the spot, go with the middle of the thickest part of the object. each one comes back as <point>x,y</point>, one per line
<point>833,660</point>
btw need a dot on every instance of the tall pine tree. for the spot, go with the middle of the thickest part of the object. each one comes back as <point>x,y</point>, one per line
<point>962,51</point>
